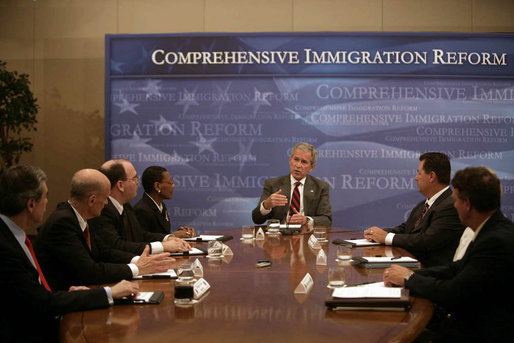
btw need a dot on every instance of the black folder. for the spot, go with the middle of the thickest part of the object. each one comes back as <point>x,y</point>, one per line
<point>190,253</point>
<point>200,240</point>
<point>154,299</point>
<point>364,263</point>
<point>370,304</point>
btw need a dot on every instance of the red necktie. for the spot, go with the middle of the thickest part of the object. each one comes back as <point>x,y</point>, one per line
<point>295,200</point>
<point>41,276</point>
<point>87,236</point>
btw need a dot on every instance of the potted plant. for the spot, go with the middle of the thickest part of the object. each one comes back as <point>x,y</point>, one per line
<point>18,109</point>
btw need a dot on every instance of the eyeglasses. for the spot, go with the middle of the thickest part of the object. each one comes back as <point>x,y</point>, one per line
<point>135,179</point>
<point>171,183</point>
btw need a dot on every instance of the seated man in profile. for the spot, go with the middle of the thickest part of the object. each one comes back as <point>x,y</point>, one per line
<point>117,226</point>
<point>31,309</point>
<point>69,252</point>
<point>296,198</point>
<point>432,231</point>
<point>475,290</point>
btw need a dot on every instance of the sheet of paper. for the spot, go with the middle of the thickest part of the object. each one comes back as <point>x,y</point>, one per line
<point>171,273</point>
<point>390,259</point>
<point>367,292</point>
<point>196,251</point>
<point>290,226</point>
<point>204,238</point>
<point>144,296</point>
<point>361,242</point>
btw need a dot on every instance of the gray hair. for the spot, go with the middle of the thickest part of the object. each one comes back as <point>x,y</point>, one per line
<point>18,185</point>
<point>306,147</point>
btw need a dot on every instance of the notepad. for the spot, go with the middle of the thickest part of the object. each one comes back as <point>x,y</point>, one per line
<point>170,274</point>
<point>360,242</point>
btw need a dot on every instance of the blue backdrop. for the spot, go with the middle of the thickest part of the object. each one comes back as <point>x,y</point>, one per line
<point>221,111</point>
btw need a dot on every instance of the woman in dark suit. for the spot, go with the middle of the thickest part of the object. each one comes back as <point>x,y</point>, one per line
<point>151,211</point>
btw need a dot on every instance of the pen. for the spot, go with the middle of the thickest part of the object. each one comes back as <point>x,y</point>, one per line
<point>363,283</point>
<point>396,258</point>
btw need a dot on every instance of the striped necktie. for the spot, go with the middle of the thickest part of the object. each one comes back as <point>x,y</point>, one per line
<point>421,215</point>
<point>295,200</point>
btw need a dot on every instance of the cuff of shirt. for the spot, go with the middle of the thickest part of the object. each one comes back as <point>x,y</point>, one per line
<point>135,259</point>
<point>263,210</point>
<point>167,236</point>
<point>109,295</point>
<point>134,269</point>
<point>157,247</point>
<point>310,223</point>
<point>389,238</point>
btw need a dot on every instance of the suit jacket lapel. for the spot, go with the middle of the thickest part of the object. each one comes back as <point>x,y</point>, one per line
<point>308,190</point>
<point>432,208</point>
<point>166,225</point>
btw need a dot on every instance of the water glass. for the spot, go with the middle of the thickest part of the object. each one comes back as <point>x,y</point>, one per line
<point>273,226</point>
<point>336,277</point>
<point>320,232</point>
<point>214,249</point>
<point>185,272</point>
<point>344,252</point>
<point>248,232</point>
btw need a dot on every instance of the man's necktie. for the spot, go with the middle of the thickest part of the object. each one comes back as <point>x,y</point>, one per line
<point>40,272</point>
<point>422,214</point>
<point>126,226</point>
<point>87,236</point>
<point>295,200</point>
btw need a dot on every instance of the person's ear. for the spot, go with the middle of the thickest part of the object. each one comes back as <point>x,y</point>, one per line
<point>120,186</point>
<point>31,204</point>
<point>91,200</point>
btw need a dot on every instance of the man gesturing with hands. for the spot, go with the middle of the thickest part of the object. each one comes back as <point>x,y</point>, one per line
<point>296,198</point>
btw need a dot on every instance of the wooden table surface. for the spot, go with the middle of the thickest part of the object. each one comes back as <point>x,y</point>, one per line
<point>248,304</point>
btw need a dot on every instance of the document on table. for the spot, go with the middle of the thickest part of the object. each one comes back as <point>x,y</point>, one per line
<point>203,238</point>
<point>367,292</point>
<point>363,242</point>
<point>170,274</point>
<point>397,259</point>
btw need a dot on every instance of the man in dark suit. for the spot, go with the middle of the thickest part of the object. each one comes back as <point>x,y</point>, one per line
<point>151,211</point>
<point>30,308</point>
<point>432,231</point>
<point>69,252</point>
<point>117,226</point>
<point>476,289</point>
<point>314,200</point>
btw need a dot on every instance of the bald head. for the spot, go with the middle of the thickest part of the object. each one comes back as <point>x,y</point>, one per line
<point>86,182</point>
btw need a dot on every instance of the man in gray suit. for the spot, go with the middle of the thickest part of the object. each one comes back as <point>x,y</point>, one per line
<point>296,198</point>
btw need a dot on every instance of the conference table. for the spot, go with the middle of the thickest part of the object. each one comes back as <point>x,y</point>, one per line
<point>250,304</point>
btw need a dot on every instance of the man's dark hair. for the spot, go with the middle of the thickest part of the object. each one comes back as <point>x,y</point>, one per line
<point>115,172</point>
<point>438,163</point>
<point>18,185</point>
<point>481,186</point>
<point>150,176</point>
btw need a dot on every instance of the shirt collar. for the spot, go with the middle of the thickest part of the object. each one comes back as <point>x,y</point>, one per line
<point>18,233</point>
<point>434,197</point>
<point>156,204</point>
<point>479,228</point>
<point>294,181</point>
<point>81,220</point>
<point>117,205</point>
